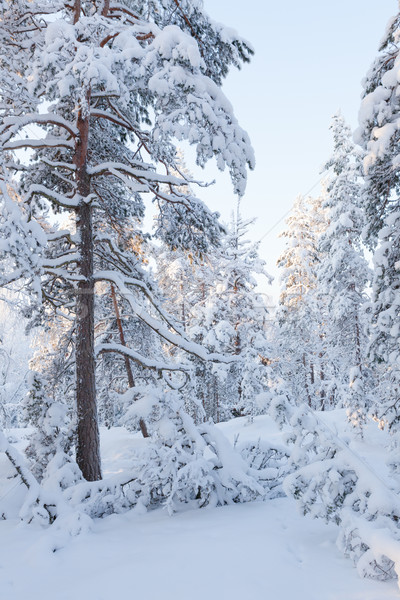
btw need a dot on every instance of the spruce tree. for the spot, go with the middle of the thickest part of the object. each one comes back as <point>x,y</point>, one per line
<point>300,337</point>
<point>216,298</point>
<point>343,273</point>
<point>235,322</point>
<point>379,136</point>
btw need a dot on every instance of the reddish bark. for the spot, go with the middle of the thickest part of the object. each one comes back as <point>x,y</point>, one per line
<point>77,11</point>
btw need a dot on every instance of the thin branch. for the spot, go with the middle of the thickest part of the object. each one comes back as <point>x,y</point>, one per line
<point>58,199</point>
<point>188,23</point>
<point>148,363</point>
<point>16,123</point>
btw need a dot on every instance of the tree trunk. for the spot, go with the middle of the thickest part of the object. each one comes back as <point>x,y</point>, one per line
<point>131,383</point>
<point>77,11</point>
<point>88,443</point>
<point>306,382</point>
<point>322,379</point>
<point>216,399</point>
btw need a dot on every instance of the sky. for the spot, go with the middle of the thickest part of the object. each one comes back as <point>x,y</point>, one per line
<point>310,58</point>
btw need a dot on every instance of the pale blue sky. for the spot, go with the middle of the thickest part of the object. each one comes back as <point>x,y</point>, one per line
<point>310,59</point>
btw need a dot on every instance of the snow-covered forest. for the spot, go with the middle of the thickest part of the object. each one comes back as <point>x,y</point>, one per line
<point>142,374</point>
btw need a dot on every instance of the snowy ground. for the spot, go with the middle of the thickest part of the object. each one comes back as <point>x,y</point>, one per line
<point>264,551</point>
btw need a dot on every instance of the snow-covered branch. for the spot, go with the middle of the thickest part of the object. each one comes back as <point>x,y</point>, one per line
<point>58,199</point>
<point>11,125</point>
<point>39,144</point>
<point>149,363</point>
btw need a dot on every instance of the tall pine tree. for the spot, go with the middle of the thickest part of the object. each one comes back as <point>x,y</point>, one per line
<point>111,87</point>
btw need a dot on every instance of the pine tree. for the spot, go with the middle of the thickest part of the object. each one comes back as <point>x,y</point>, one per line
<point>15,353</point>
<point>385,329</point>
<point>185,280</point>
<point>111,87</point>
<point>50,445</point>
<point>377,133</point>
<point>21,239</point>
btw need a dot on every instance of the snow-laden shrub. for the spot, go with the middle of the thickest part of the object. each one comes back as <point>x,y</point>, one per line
<point>332,482</point>
<point>185,465</point>
<point>34,504</point>
<point>49,448</point>
<point>181,466</point>
<point>271,461</point>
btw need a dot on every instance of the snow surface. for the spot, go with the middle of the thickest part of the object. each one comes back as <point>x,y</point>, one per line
<point>260,550</point>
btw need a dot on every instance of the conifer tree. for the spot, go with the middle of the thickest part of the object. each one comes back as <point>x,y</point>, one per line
<point>111,86</point>
<point>15,353</point>
<point>216,300</point>
<point>50,446</point>
<point>343,274</point>
<point>330,481</point>
<point>234,321</point>
<point>300,337</point>
<point>378,134</point>
<point>385,330</point>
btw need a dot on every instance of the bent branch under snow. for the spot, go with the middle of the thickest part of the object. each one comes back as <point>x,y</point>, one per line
<point>149,363</point>
<point>162,330</point>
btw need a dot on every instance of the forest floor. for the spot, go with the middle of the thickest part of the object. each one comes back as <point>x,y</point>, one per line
<point>256,551</point>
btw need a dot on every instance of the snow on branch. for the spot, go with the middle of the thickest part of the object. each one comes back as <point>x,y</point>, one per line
<point>107,167</point>
<point>12,125</point>
<point>140,284</point>
<point>39,144</point>
<point>149,363</point>
<point>103,114</point>
<point>53,196</point>
<point>60,261</point>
